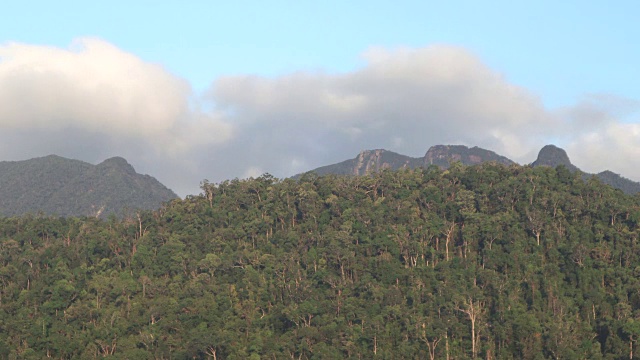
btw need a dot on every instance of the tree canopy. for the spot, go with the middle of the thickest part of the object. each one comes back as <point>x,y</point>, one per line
<point>484,261</point>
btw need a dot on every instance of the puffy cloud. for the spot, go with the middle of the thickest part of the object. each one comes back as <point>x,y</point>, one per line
<point>95,87</point>
<point>93,101</point>
<point>404,100</point>
<point>599,140</point>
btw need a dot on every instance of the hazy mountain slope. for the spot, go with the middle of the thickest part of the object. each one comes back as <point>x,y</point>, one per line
<point>619,182</point>
<point>66,187</point>
<point>369,161</point>
<point>444,155</point>
<point>554,156</point>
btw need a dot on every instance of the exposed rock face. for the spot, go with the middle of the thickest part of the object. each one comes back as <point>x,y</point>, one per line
<point>367,162</point>
<point>370,161</point>
<point>444,155</point>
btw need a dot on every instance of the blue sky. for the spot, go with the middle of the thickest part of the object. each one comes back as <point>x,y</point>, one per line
<point>558,49</point>
<point>562,53</point>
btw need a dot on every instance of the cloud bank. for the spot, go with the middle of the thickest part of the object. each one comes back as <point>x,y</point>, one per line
<point>92,101</point>
<point>96,88</point>
<point>404,100</point>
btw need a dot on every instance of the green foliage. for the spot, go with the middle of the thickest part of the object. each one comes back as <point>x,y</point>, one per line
<point>486,261</point>
<point>54,185</point>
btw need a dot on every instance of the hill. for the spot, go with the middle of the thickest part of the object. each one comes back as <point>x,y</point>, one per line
<point>485,261</point>
<point>54,185</point>
<point>619,182</point>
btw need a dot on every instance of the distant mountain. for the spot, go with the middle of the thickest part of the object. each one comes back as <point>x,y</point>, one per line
<point>619,182</point>
<point>370,161</point>
<point>444,155</point>
<point>55,185</point>
<point>554,156</point>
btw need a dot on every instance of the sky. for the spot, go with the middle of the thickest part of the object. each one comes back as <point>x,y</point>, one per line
<point>194,90</point>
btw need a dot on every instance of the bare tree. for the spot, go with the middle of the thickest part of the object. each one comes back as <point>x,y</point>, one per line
<point>473,310</point>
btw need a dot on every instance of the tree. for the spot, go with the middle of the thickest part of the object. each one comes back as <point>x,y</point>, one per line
<point>474,309</point>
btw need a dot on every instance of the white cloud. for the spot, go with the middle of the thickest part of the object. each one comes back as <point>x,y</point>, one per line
<point>404,100</point>
<point>95,87</point>
<point>598,135</point>
<point>93,100</point>
<point>409,99</point>
<point>252,172</point>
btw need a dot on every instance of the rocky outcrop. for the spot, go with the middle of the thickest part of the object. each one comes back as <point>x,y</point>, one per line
<point>369,161</point>
<point>444,155</point>
<point>551,155</point>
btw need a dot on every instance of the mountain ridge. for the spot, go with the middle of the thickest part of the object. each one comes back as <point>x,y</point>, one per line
<point>368,161</point>
<point>54,185</point>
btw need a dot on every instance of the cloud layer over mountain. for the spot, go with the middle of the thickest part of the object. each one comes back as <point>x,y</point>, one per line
<point>93,101</point>
<point>97,89</point>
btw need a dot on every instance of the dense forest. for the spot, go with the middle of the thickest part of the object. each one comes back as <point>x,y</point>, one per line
<point>487,261</point>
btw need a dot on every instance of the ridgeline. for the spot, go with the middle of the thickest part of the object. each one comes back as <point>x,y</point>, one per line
<point>371,161</point>
<point>53,185</point>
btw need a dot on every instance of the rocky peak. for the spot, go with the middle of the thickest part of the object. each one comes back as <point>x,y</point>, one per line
<point>370,161</point>
<point>551,155</point>
<point>119,163</point>
<point>444,155</point>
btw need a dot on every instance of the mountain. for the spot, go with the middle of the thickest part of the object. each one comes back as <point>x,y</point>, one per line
<point>554,156</point>
<point>55,185</point>
<point>370,161</point>
<point>444,155</point>
<point>619,182</point>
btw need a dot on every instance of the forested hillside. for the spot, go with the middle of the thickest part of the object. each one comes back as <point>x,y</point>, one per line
<point>54,185</point>
<point>485,261</point>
